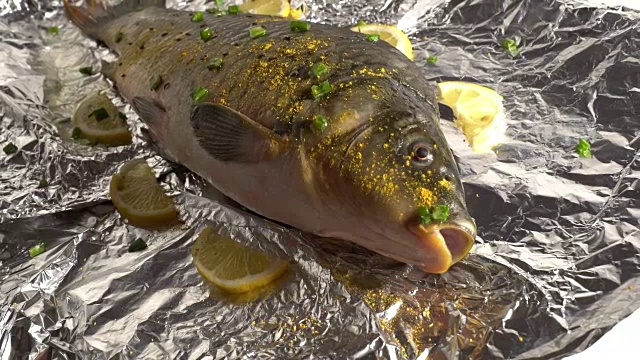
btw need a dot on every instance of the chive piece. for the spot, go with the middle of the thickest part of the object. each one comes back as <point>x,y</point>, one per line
<point>10,149</point>
<point>137,245</point>
<point>54,30</point>
<point>300,26</point>
<point>76,133</point>
<point>37,249</point>
<point>213,10</point>
<point>319,69</point>
<point>319,124</point>
<point>199,93</point>
<point>361,23</point>
<point>88,70</point>
<point>440,213</point>
<point>156,81</point>
<point>206,34</point>
<point>511,46</point>
<point>432,60</point>
<point>425,215</point>
<point>215,64</point>
<point>233,9</point>
<point>257,31</point>
<point>220,2</point>
<point>43,184</point>
<point>119,37</point>
<point>373,37</point>
<point>583,148</point>
<point>100,114</point>
<point>320,90</point>
<point>197,16</point>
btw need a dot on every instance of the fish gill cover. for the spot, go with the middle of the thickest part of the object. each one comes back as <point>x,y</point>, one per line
<point>554,267</point>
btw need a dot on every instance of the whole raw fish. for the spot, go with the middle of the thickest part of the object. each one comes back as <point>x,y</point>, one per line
<point>321,128</point>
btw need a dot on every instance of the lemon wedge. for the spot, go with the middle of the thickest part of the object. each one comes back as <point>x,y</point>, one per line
<point>390,34</point>
<point>139,198</point>
<point>266,7</point>
<point>99,120</point>
<point>478,111</point>
<point>232,266</point>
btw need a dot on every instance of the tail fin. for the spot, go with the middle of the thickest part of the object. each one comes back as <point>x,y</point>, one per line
<point>96,14</point>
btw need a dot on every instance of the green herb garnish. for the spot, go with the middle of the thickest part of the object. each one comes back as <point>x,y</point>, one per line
<point>219,2</point>
<point>432,60</point>
<point>511,46</point>
<point>37,250</point>
<point>10,149</point>
<point>199,93</point>
<point>440,213</point>
<point>233,9</point>
<point>156,81</point>
<point>319,69</point>
<point>76,133</point>
<point>43,184</point>
<point>583,148</point>
<point>213,10</point>
<point>215,64</point>
<point>137,245</point>
<point>373,37</point>
<point>425,215</point>
<point>319,124</point>
<point>54,30</point>
<point>100,114</point>
<point>300,26</point>
<point>88,70</point>
<point>119,37</point>
<point>257,32</point>
<point>206,34</point>
<point>197,16</point>
<point>361,23</point>
<point>320,90</point>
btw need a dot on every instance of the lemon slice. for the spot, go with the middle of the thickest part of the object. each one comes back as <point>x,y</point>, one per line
<point>232,266</point>
<point>99,120</point>
<point>478,111</point>
<point>266,7</point>
<point>390,34</point>
<point>139,198</point>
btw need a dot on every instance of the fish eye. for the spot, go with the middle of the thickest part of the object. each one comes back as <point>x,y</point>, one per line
<point>421,153</point>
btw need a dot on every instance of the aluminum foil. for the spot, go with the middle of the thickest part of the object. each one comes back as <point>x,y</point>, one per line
<point>555,266</point>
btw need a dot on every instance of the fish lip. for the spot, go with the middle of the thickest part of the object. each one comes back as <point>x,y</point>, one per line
<point>447,243</point>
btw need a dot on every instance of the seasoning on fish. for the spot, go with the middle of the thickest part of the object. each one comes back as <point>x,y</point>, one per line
<point>250,127</point>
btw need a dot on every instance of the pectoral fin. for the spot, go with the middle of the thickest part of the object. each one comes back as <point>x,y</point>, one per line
<point>228,135</point>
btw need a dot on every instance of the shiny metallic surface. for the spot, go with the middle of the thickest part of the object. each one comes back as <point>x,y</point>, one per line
<point>556,263</point>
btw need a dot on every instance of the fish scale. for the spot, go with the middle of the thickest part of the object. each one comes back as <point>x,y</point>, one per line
<point>371,171</point>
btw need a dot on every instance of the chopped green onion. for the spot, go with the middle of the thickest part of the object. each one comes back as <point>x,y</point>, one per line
<point>76,133</point>
<point>373,37</point>
<point>156,81</point>
<point>432,60</point>
<point>199,93</point>
<point>257,31</point>
<point>137,245</point>
<point>583,148</point>
<point>206,34</point>
<point>440,213</point>
<point>37,249</point>
<point>215,64</point>
<point>10,149</point>
<point>511,46</point>
<point>300,26</point>
<point>54,30</point>
<point>320,90</point>
<point>43,184</point>
<point>219,2</point>
<point>233,9</point>
<point>361,23</point>
<point>319,124</point>
<point>100,114</point>
<point>425,215</point>
<point>88,70</point>
<point>319,69</point>
<point>119,37</point>
<point>197,16</point>
<point>212,10</point>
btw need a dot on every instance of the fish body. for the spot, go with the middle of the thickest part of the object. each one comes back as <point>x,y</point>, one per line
<point>324,130</point>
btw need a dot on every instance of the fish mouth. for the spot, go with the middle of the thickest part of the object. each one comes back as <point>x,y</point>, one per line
<point>445,244</point>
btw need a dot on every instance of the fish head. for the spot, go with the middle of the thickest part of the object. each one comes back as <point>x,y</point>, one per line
<point>401,183</point>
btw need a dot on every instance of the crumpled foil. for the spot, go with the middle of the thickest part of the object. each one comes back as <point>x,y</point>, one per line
<point>555,266</point>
